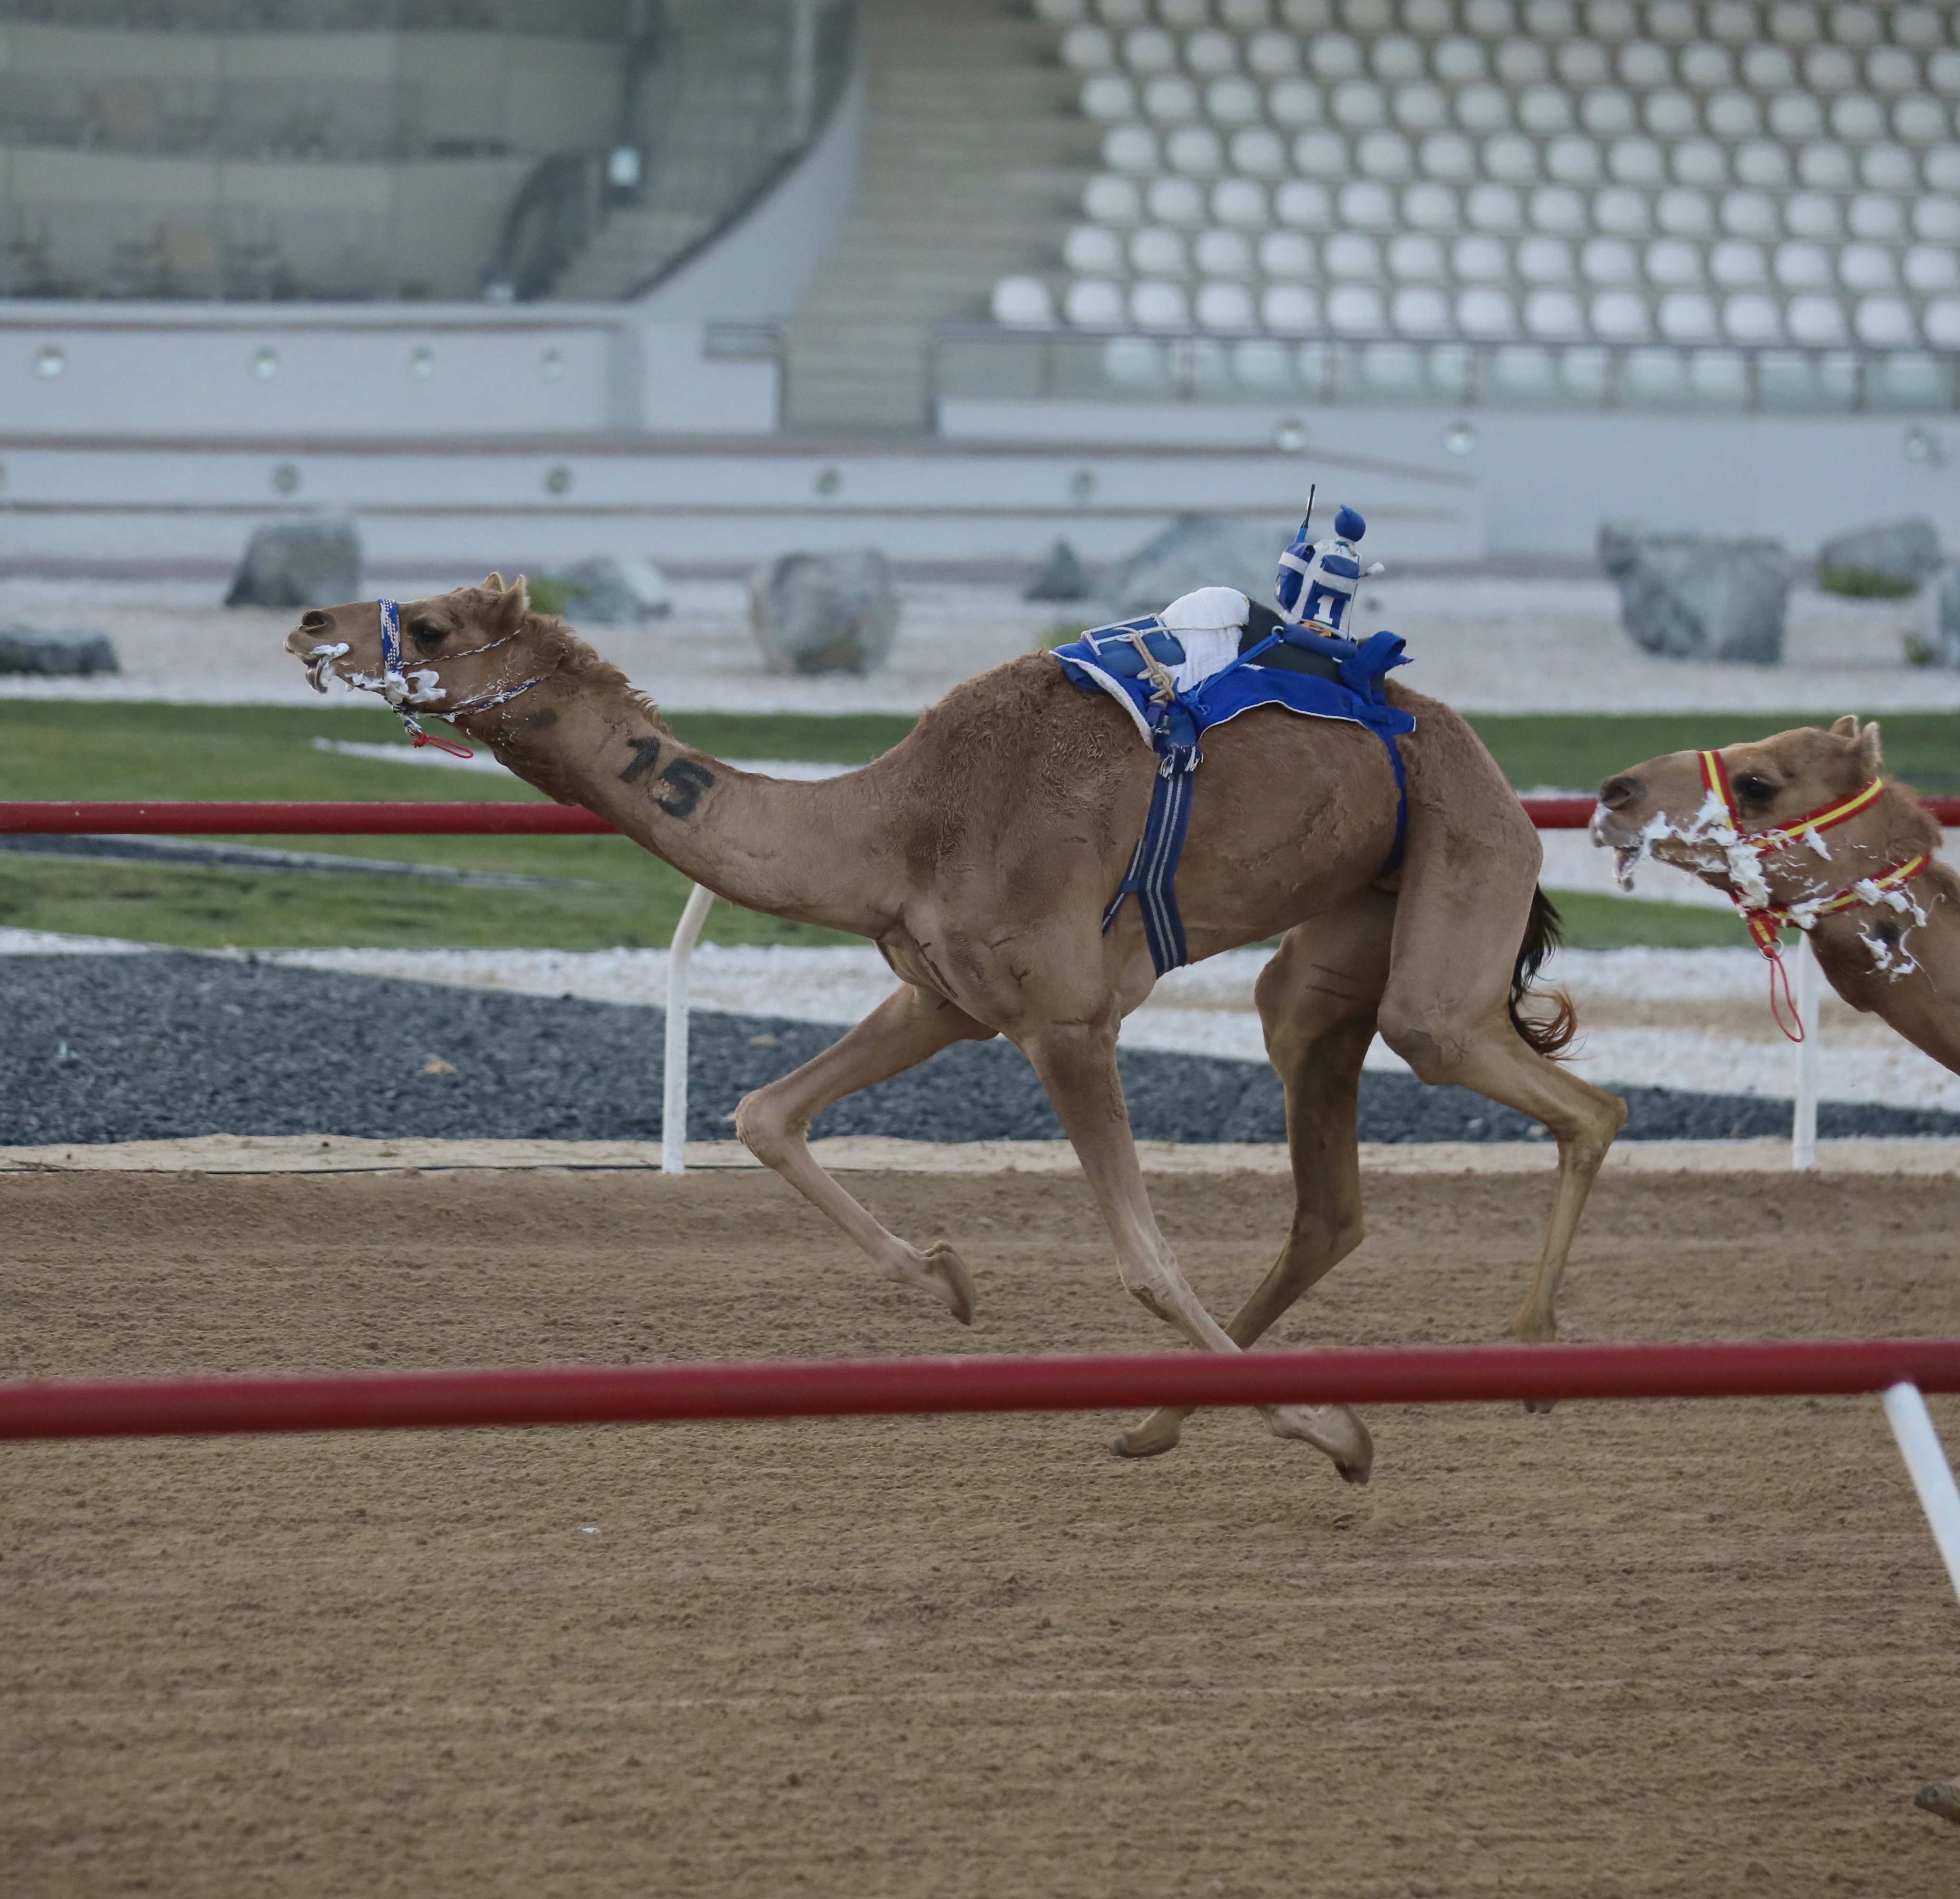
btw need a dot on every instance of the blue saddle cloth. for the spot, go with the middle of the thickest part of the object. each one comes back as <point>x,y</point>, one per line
<point>1307,673</point>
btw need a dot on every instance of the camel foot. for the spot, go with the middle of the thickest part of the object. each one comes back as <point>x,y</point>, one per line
<point>945,1272</point>
<point>1158,1433</point>
<point>1943,1800</point>
<point>1541,1407</point>
<point>1335,1430</point>
<point>1534,1328</point>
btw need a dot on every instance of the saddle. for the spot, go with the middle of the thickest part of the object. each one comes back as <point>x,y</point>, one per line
<point>1178,680</point>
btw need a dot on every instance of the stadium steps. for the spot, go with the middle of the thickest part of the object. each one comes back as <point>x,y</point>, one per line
<point>974,155</point>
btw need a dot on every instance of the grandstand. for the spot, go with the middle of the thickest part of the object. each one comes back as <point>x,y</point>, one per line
<point>702,279</point>
<point>1727,204</point>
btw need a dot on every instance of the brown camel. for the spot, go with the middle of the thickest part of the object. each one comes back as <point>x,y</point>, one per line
<point>978,856</point>
<point>1882,913</point>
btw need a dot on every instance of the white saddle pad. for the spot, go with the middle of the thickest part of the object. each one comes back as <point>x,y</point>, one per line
<point>1207,624</point>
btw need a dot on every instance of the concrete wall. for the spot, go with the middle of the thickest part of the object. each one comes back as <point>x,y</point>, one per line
<point>483,504</point>
<point>1548,480</point>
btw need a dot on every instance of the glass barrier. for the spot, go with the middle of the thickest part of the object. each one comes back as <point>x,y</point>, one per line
<point>397,149</point>
<point>991,364</point>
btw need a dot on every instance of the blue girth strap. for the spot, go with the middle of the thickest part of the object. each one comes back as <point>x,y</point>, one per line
<point>1152,872</point>
<point>1354,672</point>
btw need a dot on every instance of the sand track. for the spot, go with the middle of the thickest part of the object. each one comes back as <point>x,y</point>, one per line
<point>1623,1650</point>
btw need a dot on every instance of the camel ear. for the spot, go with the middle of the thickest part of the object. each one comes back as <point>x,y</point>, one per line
<point>1869,755</point>
<point>1845,728</point>
<point>493,583</point>
<point>513,603</point>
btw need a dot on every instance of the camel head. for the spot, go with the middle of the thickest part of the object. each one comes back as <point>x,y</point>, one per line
<point>459,650</point>
<point>1663,808</point>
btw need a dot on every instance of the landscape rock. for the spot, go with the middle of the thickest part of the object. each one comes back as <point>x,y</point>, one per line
<point>68,652</point>
<point>604,592</point>
<point>1692,597</point>
<point>1936,640</point>
<point>834,613</point>
<point>299,563</point>
<point>1061,576</point>
<point>1886,562</point>
<point>1195,551</point>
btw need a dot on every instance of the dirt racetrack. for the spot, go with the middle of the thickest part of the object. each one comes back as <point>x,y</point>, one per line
<point>1621,1650</point>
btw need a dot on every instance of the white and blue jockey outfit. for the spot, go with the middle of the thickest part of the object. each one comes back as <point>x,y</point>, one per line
<point>1317,580</point>
<point>1146,665</point>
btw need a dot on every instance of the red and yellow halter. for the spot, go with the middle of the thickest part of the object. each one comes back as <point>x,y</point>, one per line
<point>1766,922</point>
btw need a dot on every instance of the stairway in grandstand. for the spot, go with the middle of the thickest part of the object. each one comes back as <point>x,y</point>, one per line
<point>1726,175</point>
<point>974,156</point>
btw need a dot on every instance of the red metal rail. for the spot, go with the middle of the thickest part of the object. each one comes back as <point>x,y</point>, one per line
<point>647,1394</point>
<point>512,817</point>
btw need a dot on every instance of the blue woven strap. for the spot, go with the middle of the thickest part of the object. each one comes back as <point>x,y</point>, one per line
<point>1152,872</point>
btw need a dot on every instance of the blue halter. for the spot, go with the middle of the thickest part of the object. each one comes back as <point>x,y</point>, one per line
<point>395,686</point>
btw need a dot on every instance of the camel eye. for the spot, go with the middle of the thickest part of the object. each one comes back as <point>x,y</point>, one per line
<point>427,636</point>
<point>1756,790</point>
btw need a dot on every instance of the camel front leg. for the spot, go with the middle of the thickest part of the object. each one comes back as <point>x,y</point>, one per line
<point>1076,1063</point>
<point>774,1124</point>
<point>1317,999</point>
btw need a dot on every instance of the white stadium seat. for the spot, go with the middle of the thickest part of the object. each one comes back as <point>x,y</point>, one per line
<point>1108,200</point>
<point>1259,154</point>
<point>1150,50</point>
<point>1195,150</point>
<point>1304,206</point>
<point>1240,204</point>
<point>1132,148</point>
<point>1176,201</point>
<point>1752,319</point>
<point>1273,56</point>
<point>1223,254</point>
<point>1170,99</point>
<point>1211,53</point>
<point>1703,175</point>
<point>1088,50</point>
<point>1295,102</point>
<point>1092,305</point>
<point>1294,309</point>
<point>1023,302</point>
<point>1819,321</point>
<point>1226,307</point>
<point>1286,255</point>
<point>1160,306</point>
<point>1155,252</point>
<point>1232,102</point>
<point>1093,250</point>
<point>1618,316</point>
<point>1420,312</point>
<point>1108,96</point>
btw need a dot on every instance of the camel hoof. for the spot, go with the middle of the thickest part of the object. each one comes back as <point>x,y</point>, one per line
<point>1943,1800</point>
<point>1336,1432</point>
<point>1541,1407</point>
<point>1143,1442</point>
<point>1354,1473</point>
<point>957,1286</point>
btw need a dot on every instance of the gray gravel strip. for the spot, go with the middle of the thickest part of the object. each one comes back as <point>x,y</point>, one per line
<point>125,1048</point>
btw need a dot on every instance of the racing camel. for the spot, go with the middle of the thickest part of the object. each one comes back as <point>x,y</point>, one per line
<point>1804,828</point>
<point>979,854</point>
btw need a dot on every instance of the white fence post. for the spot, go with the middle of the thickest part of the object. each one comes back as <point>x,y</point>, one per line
<point>1810,1007</point>
<point>674,1092</point>
<point>1932,1475</point>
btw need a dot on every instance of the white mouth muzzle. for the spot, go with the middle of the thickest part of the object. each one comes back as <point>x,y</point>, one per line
<point>319,662</point>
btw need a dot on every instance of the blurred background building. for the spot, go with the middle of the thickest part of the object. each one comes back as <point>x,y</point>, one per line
<point>695,277</point>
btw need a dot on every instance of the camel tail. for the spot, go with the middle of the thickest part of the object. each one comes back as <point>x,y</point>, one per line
<point>1544,932</point>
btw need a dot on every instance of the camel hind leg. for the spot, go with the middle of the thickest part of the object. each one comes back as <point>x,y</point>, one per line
<point>1464,909</point>
<point>1317,1000</point>
<point>774,1124</point>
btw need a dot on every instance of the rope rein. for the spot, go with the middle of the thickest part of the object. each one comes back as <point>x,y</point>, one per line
<point>394,687</point>
<point>1765,922</point>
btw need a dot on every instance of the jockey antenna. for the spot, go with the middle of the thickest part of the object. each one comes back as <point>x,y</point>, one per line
<point>1313,488</point>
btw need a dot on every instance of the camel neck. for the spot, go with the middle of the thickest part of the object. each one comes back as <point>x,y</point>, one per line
<point>767,844</point>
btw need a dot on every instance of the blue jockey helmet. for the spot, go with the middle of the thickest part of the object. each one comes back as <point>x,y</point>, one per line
<point>1349,525</point>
